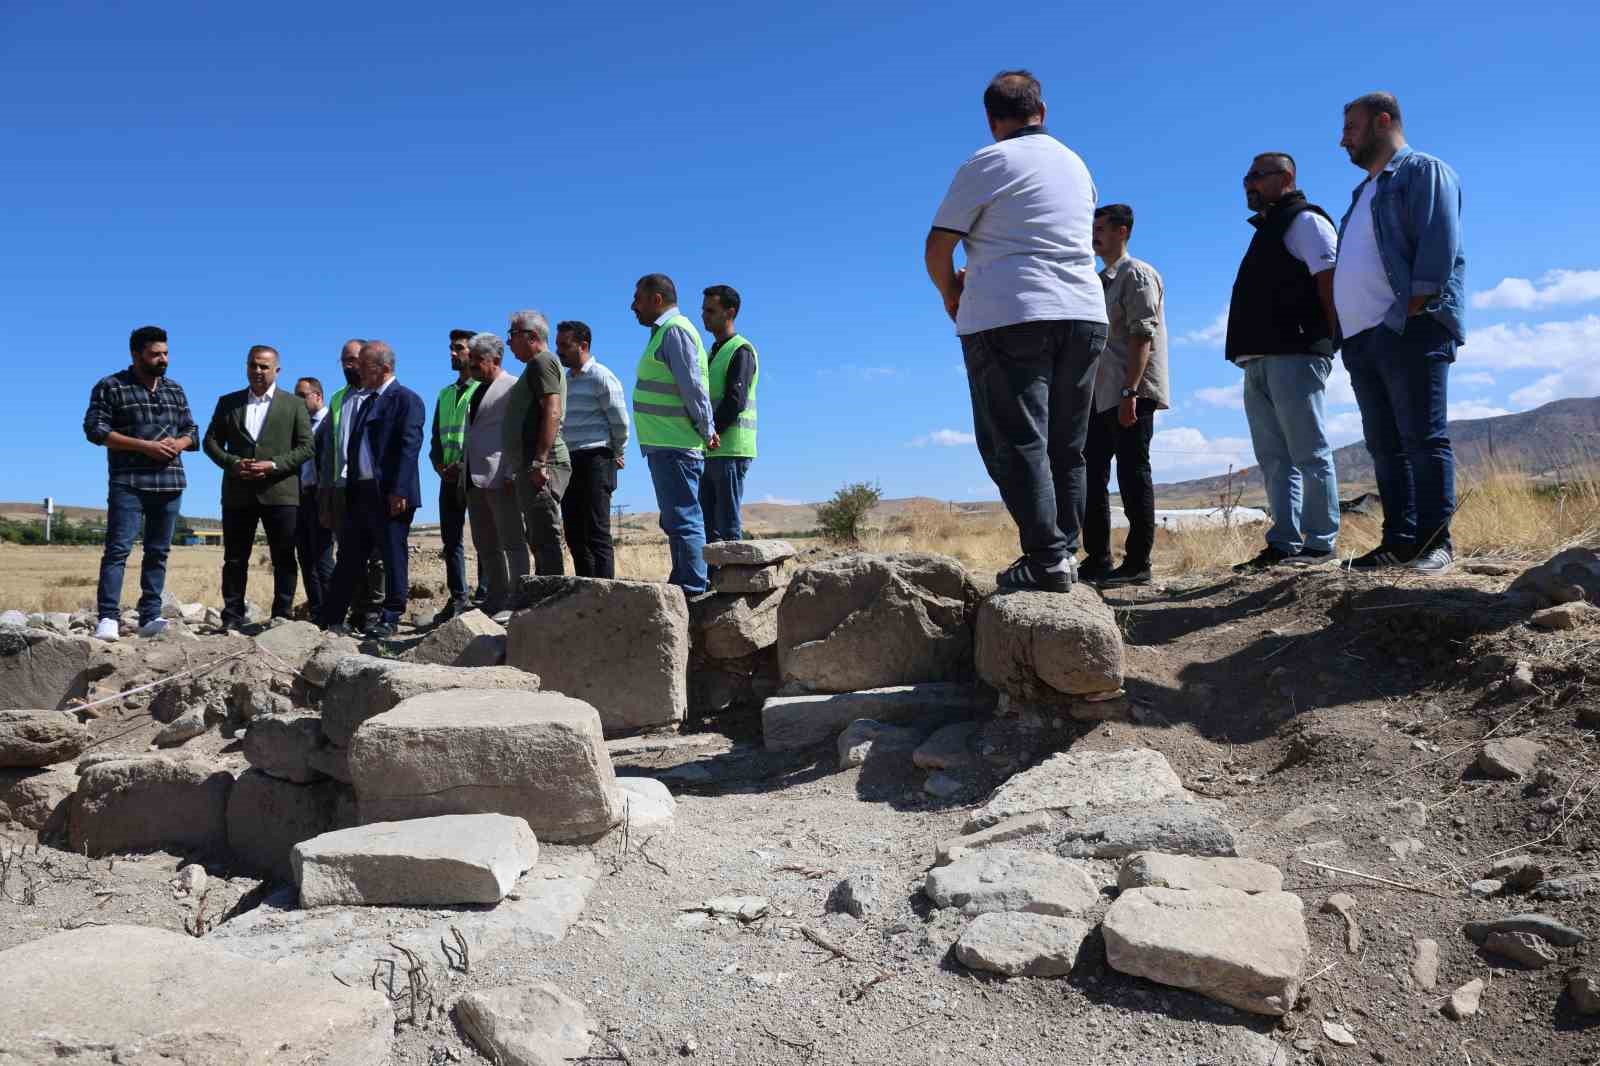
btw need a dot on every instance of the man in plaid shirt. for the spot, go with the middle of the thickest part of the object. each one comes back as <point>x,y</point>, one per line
<point>142,419</point>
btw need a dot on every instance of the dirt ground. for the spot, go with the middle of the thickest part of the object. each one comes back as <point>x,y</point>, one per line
<point>1307,703</point>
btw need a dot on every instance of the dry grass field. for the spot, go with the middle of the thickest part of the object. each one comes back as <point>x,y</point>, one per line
<point>1502,514</point>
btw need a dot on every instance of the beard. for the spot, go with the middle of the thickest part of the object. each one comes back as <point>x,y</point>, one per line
<point>352,377</point>
<point>156,370</point>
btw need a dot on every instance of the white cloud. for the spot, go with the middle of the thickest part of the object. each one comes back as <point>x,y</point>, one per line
<point>1555,287</point>
<point>1474,409</point>
<point>1572,381</point>
<point>1340,393</point>
<point>782,501</point>
<point>1184,452</point>
<point>944,438</point>
<point>1343,428</point>
<point>1563,343</point>
<point>863,373</point>
<point>1211,336</point>
<point>1230,397</point>
<point>1474,379</point>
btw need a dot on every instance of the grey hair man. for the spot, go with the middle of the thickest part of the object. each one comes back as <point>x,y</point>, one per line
<point>1281,325</point>
<point>532,448</point>
<point>1031,314</point>
<point>491,493</point>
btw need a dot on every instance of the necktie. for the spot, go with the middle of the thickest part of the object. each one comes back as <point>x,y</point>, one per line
<point>357,424</point>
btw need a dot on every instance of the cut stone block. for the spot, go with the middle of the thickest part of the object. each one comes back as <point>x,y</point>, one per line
<point>1177,828</point>
<point>268,816</point>
<point>363,686</point>
<point>748,552</point>
<point>1044,646</point>
<point>448,859</point>
<point>42,669</point>
<point>290,643</point>
<point>741,580</point>
<point>732,627</point>
<point>37,799</point>
<point>281,745</point>
<point>470,639</point>
<point>535,755</point>
<point>792,722</point>
<point>149,802</point>
<point>620,646</point>
<point>1149,869</point>
<point>1022,945</point>
<point>1083,783</point>
<point>1003,879</point>
<point>30,739</point>
<point>530,1024</point>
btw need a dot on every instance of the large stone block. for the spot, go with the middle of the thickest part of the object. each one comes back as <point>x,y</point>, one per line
<point>539,756</point>
<point>869,621</point>
<point>37,799</point>
<point>732,627</point>
<point>792,722</point>
<point>1046,646</point>
<point>1148,869</point>
<point>150,802</point>
<point>439,861</point>
<point>1022,945</point>
<point>620,646</point>
<point>318,669</point>
<point>1247,950</point>
<point>748,552</point>
<point>31,739</point>
<point>290,644</point>
<point>282,745</point>
<point>1085,782</point>
<point>532,1023</point>
<point>740,580</point>
<point>1006,879</point>
<point>132,994</point>
<point>470,639</point>
<point>268,816</point>
<point>39,668</point>
<point>362,686</point>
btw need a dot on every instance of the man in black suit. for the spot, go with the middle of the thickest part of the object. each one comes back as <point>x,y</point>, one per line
<point>382,440</point>
<point>259,436</point>
<point>313,542</point>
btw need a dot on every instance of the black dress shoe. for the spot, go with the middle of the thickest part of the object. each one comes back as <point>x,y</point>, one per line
<point>381,631</point>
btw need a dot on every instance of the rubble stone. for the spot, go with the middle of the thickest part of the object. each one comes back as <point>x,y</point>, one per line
<point>281,745</point>
<point>1525,949</point>
<point>443,860</point>
<point>865,737</point>
<point>732,627</point>
<point>149,802</point>
<point>1083,783</point>
<point>748,552</point>
<point>789,723</point>
<point>1510,757</point>
<point>1004,879</point>
<point>268,816</point>
<point>1425,964</point>
<point>1177,828</point>
<point>182,729</point>
<point>1044,646</point>
<point>742,580</point>
<point>1009,829</point>
<point>1148,869</point>
<point>528,1024</point>
<point>470,639</point>
<point>363,686</point>
<point>37,799</point>
<point>948,748</point>
<point>30,739</point>
<point>290,643</point>
<point>46,670</point>
<point>1566,577</point>
<point>1538,924</point>
<point>1022,945</point>
<point>1464,1001</point>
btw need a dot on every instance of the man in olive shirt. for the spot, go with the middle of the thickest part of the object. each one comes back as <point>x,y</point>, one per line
<point>534,453</point>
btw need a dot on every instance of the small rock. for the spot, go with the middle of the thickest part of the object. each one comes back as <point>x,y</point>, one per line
<point>744,908</point>
<point>1344,905</point>
<point>1005,879</point>
<point>1402,848</point>
<point>1537,924</point>
<point>949,748</point>
<point>941,785</point>
<point>528,1024</point>
<point>1413,812</point>
<point>1560,889</point>
<point>1509,758</point>
<point>1519,872</point>
<point>191,880</point>
<point>182,729</point>
<point>865,737</point>
<point>1585,992</point>
<point>1017,826</point>
<point>860,893</point>
<point>1485,888</point>
<point>1521,680</point>
<point>1525,949</point>
<point>1564,615</point>
<point>1425,964</point>
<point>1463,1002</point>
<point>1338,1034</point>
<point>1022,945</point>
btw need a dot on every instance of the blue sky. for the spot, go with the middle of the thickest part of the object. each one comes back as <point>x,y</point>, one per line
<point>299,174</point>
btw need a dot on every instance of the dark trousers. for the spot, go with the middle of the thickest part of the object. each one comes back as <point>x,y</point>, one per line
<point>586,512</point>
<point>452,528</point>
<point>1130,447</point>
<point>239,540</point>
<point>127,511</point>
<point>367,598</point>
<point>1401,384</point>
<point>1032,386</point>
<point>313,547</point>
<point>367,529</point>
<point>721,492</point>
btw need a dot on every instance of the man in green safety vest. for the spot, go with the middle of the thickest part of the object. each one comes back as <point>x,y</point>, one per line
<point>734,371</point>
<point>331,463</point>
<point>672,416</point>
<point>445,452</point>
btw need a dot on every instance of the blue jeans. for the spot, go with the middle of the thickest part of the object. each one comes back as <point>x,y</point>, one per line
<point>676,476</point>
<point>126,509</point>
<point>721,490</point>
<point>1283,397</point>
<point>1400,383</point>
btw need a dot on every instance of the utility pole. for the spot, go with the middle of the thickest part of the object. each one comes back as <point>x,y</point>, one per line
<point>49,510</point>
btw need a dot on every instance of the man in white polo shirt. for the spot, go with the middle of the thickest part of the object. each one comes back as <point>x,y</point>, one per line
<point>1031,314</point>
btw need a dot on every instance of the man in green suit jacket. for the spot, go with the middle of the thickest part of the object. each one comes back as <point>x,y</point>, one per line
<point>259,436</point>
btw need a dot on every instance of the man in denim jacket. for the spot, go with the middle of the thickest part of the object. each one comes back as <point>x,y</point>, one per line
<point>1398,289</point>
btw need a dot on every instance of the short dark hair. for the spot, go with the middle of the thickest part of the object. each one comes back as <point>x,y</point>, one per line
<point>257,349</point>
<point>1283,159</point>
<point>463,334</point>
<point>316,386</point>
<point>144,337</point>
<point>1119,214</point>
<point>727,296</point>
<point>579,330</point>
<point>660,284</point>
<point>1379,103</point>
<point>1014,94</point>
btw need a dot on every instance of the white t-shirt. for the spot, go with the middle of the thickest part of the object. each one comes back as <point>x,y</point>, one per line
<point>1025,208</point>
<point>1361,292</point>
<point>1311,239</point>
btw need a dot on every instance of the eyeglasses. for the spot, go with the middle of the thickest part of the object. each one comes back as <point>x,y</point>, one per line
<point>1257,175</point>
<point>458,347</point>
<point>514,332</point>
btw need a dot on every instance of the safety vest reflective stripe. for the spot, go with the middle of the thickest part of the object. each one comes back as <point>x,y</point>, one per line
<point>661,419</point>
<point>739,440</point>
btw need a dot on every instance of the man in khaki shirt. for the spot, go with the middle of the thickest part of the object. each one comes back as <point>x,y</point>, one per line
<point>1130,387</point>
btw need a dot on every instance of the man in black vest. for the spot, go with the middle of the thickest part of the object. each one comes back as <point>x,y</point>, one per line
<point>1281,326</point>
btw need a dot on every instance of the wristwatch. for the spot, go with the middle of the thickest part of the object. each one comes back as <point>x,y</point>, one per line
<point>1128,393</point>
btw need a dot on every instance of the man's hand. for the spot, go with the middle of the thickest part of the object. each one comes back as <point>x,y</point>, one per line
<point>1417,304</point>
<point>1128,411</point>
<point>536,477</point>
<point>451,473</point>
<point>438,468</point>
<point>162,451</point>
<point>397,506</point>
<point>622,462</point>
<point>715,442</point>
<point>952,293</point>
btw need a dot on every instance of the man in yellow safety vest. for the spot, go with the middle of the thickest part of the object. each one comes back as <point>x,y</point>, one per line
<point>445,452</point>
<point>734,372</point>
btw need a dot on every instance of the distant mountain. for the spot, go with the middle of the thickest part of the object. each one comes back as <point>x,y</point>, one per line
<point>1547,442</point>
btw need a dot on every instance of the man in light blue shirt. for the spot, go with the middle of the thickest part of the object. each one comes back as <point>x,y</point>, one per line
<point>313,541</point>
<point>596,432</point>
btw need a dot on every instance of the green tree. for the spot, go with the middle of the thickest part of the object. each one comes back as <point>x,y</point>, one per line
<point>841,517</point>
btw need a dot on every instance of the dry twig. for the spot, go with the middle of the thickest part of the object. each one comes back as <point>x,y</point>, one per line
<point>1374,878</point>
<point>807,1048</point>
<point>451,955</point>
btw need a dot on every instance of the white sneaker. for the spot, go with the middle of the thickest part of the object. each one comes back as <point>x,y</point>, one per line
<point>154,628</point>
<point>107,630</point>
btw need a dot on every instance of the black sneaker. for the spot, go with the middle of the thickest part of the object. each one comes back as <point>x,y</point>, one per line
<point>1434,561</point>
<point>1126,574</point>
<point>1383,557</point>
<point>1268,557</point>
<point>1307,557</point>
<point>1092,570</point>
<point>1024,575</point>
<point>381,631</point>
<point>450,610</point>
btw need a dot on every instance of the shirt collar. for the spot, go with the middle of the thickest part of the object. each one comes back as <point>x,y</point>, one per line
<point>316,419</point>
<point>1394,160</point>
<point>668,313</point>
<point>265,397</point>
<point>1112,270</point>
<point>1026,131</point>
